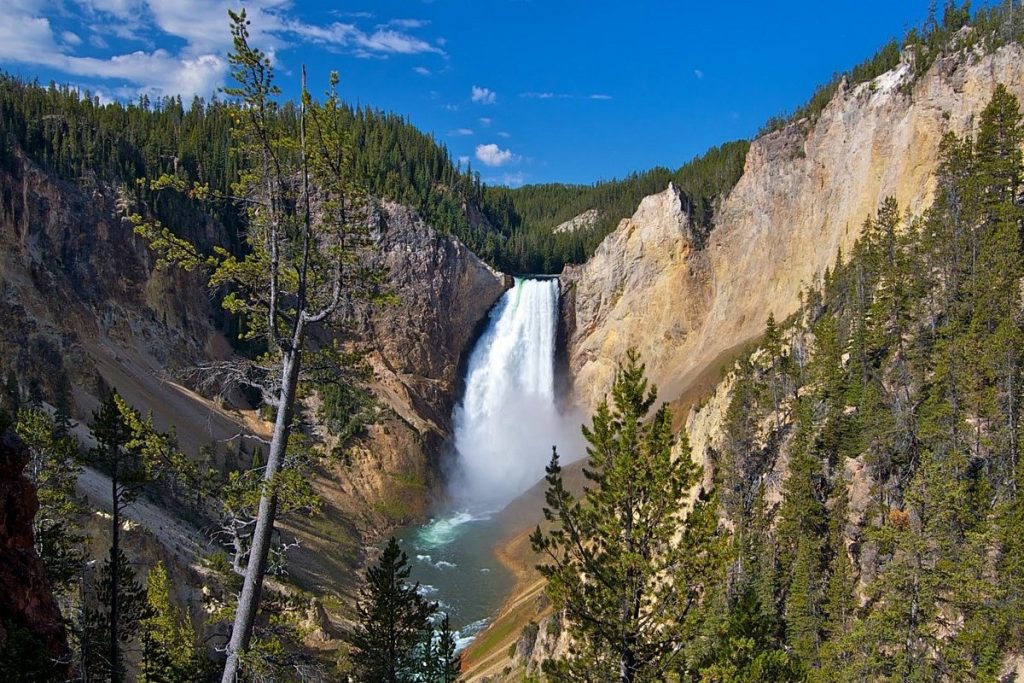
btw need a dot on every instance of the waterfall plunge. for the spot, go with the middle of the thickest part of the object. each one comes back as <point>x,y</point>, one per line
<point>509,419</point>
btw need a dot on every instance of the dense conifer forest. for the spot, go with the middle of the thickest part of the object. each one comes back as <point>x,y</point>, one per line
<point>865,520</point>
<point>74,135</point>
<point>892,548</point>
<point>867,483</point>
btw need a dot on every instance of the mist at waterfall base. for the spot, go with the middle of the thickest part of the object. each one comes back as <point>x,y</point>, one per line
<point>509,418</point>
<point>504,429</point>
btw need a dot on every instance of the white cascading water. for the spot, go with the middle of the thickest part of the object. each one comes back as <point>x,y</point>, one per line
<point>504,430</point>
<point>509,419</point>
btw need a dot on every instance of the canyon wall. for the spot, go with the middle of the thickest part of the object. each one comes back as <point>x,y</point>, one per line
<point>804,194</point>
<point>84,305</point>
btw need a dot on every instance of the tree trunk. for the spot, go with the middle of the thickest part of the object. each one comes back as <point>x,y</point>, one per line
<point>115,539</point>
<point>248,601</point>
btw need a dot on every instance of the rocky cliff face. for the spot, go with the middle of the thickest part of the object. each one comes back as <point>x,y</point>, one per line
<point>444,292</point>
<point>81,300</point>
<point>26,600</point>
<point>75,276</point>
<point>804,194</point>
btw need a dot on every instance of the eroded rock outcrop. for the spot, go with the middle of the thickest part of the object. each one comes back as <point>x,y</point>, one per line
<point>804,194</point>
<point>83,300</point>
<point>443,295</point>
<point>26,599</point>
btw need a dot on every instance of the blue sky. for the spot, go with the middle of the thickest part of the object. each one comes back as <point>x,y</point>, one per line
<point>527,90</point>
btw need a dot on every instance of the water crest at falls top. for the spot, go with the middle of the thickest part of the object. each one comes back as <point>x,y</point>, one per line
<point>509,418</point>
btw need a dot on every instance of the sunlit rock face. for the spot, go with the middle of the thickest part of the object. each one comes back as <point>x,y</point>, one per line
<point>804,194</point>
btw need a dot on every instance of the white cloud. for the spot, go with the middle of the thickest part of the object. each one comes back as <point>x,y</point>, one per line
<point>463,161</point>
<point>421,70</point>
<point>492,155</point>
<point>394,42</point>
<point>503,134</point>
<point>485,120</point>
<point>483,95</point>
<point>407,23</point>
<point>547,95</point>
<point>121,9</point>
<point>461,132</point>
<point>200,27</point>
<point>25,38</point>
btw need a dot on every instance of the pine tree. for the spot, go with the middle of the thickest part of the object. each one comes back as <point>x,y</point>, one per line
<point>53,469</point>
<point>840,599</point>
<point>301,272</point>
<point>438,659</point>
<point>743,648</point>
<point>112,619</point>
<point>800,532</point>
<point>131,452</point>
<point>393,620</point>
<point>171,651</point>
<point>620,560</point>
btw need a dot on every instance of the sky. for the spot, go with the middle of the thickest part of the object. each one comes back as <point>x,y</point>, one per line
<point>526,91</point>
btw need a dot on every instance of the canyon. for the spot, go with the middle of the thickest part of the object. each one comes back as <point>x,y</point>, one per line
<point>84,299</point>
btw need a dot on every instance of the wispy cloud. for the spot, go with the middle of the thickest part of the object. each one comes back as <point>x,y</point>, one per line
<point>198,29</point>
<point>492,155</point>
<point>504,135</point>
<point>547,95</point>
<point>698,73</point>
<point>483,95</point>
<point>407,23</point>
<point>509,179</point>
<point>421,70</point>
<point>460,132</point>
<point>544,96</point>
<point>513,179</point>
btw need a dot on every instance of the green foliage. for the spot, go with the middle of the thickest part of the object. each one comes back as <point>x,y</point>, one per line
<point>24,659</point>
<point>171,652</point>
<point>129,448</point>
<point>626,564</point>
<point>528,215</point>
<point>235,501</point>
<point>116,575</point>
<point>190,152</point>
<point>915,374</point>
<point>347,411</point>
<point>439,663</point>
<point>53,469</point>
<point>393,621</point>
<point>743,648</point>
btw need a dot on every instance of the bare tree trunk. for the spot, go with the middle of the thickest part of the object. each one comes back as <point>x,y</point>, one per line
<point>115,538</point>
<point>248,601</point>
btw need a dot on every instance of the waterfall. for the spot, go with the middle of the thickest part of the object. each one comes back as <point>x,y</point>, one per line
<point>509,418</point>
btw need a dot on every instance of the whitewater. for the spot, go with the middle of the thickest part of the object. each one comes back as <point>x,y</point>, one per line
<point>509,417</point>
<point>504,428</point>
